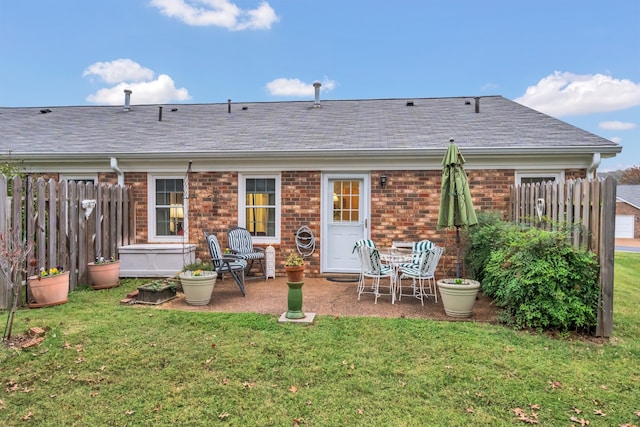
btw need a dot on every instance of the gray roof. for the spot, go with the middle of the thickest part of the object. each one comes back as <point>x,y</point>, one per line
<point>629,194</point>
<point>369,127</point>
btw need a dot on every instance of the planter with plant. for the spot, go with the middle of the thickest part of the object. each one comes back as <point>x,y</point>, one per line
<point>294,267</point>
<point>157,291</point>
<point>105,273</point>
<point>197,286</point>
<point>50,287</point>
<point>458,296</point>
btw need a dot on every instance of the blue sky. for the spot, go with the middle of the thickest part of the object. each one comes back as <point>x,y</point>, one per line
<point>577,60</point>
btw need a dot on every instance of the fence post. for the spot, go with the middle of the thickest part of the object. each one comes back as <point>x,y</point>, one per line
<point>604,326</point>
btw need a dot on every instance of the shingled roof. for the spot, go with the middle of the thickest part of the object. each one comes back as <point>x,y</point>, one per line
<point>500,126</point>
<point>629,194</point>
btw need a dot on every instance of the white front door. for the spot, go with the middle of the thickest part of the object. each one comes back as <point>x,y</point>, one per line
<point>345,219</point>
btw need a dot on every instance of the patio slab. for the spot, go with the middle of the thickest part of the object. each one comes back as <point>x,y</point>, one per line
<point>323,297</point>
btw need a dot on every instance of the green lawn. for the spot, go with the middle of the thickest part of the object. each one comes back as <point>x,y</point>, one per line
<point>107,364</point>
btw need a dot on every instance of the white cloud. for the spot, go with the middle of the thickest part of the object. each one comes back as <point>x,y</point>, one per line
<point>564,93</point>
<point>616,125</point>
<point>616,139</point>
<point>127,74</point>
<point>118,71</point>
<point>295,87</point>
<point>218,13</point>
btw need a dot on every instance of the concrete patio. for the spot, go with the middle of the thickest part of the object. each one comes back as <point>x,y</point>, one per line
<point>323,297</point>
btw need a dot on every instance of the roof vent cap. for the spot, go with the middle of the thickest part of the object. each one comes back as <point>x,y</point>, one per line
<point>127,100</point>
<point>316,102</point>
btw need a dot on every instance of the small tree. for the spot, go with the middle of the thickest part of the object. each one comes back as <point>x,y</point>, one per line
<point>14,252</point>
<point>631,176</point>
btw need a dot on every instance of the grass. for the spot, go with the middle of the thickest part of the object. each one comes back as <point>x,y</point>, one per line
<point>107,364</point>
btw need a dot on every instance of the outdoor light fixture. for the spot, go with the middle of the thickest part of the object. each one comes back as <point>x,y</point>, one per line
<point>383,181</point>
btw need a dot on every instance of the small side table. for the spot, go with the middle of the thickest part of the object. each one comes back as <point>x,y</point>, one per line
<point>270,261</point>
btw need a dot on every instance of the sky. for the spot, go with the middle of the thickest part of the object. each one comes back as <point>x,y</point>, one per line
<point>576,60</point>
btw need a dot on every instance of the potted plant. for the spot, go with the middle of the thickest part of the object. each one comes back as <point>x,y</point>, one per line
<point>157,291</point>
<point>197,285</point>
<point>294,267</point>
<point>458,296</point>
<point>50,287</point>
<point>105,273</point>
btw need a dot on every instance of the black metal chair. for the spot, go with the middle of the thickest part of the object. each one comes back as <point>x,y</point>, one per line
<point>241,245</point>
<point>226,263</point>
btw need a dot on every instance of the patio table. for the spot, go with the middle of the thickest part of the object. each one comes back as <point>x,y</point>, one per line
<point>395,257</point>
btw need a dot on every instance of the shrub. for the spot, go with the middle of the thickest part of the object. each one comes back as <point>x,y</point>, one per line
<point>542,281</point>
<point>483,239</point>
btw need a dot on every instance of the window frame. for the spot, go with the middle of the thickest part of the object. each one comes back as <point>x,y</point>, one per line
<point>242,197</point>
<point>558,175</point>
<point>151,208</point>
<point>79,177</point>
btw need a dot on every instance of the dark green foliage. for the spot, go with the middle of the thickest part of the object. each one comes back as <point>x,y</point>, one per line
<point>542,281</point>
<point>483,239</point>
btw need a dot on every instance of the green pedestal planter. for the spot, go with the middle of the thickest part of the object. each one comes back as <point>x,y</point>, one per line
<point>294,301</point>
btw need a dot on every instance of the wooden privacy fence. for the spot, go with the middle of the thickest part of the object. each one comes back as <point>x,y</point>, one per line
<point>70,223</point>
<point>587,210</point>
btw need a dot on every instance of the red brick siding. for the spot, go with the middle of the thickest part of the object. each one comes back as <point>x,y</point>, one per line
<point>406,210</point>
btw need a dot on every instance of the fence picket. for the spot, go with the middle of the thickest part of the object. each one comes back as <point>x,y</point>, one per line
<point>50,213</point>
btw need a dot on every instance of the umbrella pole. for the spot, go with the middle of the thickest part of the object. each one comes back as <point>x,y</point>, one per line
<point>458,264</point>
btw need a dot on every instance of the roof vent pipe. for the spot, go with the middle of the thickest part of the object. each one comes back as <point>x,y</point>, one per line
<point>477,98</point>
<point>159,114</point>
<point>127,99</point>
<point>229,106</point>
<point>316,102</point>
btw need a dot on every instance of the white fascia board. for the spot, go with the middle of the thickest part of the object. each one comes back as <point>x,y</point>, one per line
<point>327,160</point>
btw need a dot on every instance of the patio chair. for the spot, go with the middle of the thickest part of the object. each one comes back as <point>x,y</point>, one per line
<point>416,250</point>
<point>423,274</point>
<point>372,268</point>
<point>226,263</point>
<point>241,245</point>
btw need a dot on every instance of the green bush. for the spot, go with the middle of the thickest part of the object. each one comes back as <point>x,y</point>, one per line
<point>542,281</point>
<point>483,239</point>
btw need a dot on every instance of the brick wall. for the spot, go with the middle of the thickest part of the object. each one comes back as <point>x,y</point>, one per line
<point>406,210</point>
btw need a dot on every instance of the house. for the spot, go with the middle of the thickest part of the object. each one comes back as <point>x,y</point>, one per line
<point>347,169</point>
<point>628,212</point>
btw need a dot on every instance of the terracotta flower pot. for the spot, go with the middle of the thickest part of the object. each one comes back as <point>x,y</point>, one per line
<point>105,275</point>
<point>294,273</point>
<point>197,289</point>
<point>49,290</point>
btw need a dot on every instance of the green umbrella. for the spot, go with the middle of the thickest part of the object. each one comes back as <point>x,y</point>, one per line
<point>456,206</point>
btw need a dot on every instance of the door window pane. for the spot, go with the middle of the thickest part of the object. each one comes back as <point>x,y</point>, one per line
<point>346,201</point>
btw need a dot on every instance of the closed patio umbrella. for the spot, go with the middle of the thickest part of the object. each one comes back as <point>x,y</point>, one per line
<point>456,206</point>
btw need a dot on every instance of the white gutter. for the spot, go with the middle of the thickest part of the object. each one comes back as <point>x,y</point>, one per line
<point>592,169</point>
<point>114,166</point>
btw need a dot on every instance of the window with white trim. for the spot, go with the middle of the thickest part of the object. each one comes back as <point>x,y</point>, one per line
<point>93,178</point>
<point>259,206</point>
<point>167,210</point>
<point>535,177</point>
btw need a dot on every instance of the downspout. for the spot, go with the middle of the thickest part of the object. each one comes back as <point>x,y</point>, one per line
<point>114,166</point>
<point>592,169</point>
